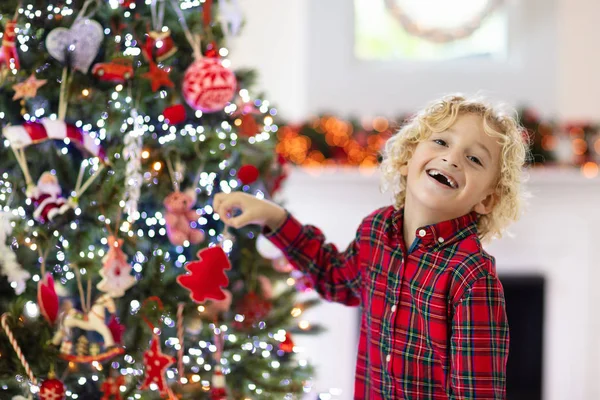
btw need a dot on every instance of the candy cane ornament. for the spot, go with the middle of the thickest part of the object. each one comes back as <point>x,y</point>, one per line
<point>15,345</point>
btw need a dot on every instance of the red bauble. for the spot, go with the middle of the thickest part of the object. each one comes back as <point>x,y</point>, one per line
<point>52,389</point>
<point>206,276</point>
<point>248,174</point>
<point>174,114</point>
<point>207,85</point>
<point>254,308</point>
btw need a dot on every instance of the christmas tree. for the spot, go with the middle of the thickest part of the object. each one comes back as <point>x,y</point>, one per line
<point>121,120</point>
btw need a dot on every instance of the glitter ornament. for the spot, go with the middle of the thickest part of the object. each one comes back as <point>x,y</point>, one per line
<point>207,85</point>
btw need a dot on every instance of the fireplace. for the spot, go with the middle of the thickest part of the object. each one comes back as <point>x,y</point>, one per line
<point>525,309</point>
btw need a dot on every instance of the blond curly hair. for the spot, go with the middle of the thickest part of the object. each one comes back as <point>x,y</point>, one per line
<point>440,115</point>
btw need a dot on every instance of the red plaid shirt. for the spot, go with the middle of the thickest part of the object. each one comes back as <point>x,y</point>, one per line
<point>433,323</point>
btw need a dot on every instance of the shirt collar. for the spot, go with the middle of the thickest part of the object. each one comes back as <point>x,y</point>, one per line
<point>441,233</point>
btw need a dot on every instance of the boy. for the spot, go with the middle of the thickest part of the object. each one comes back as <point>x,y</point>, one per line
<point>434,323</point>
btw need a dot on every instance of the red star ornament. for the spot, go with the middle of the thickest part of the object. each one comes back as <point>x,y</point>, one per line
<point>111,388</point>
<point>158,77</point>
<point>156,364</point>
<point>207,275</point>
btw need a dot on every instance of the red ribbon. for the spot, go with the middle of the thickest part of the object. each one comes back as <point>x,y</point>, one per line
<point>207,13</point>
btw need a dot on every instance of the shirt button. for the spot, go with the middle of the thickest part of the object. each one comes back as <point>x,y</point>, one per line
<point>422,233</point>
<point>441,239</point>
<point>388,358</point>
<point>394,308</point>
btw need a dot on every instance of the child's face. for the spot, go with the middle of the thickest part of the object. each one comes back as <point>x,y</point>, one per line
<point>454,172</point>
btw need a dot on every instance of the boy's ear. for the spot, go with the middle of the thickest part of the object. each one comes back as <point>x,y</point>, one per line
<point>486,205</point>
<point>404,170</point>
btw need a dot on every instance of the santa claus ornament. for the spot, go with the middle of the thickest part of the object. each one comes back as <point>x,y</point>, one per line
<point>48,199</point>
<point>46,196</point>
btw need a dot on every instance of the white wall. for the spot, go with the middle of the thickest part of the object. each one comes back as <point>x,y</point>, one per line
<point>274,41</point>
<point>340,83</point>
<point>557,238</point>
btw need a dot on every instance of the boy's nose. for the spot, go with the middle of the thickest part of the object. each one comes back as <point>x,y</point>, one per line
<point>450,162</point>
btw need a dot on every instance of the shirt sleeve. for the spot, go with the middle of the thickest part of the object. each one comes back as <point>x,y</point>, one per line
<point>479,343</point>
<point>336,275</point>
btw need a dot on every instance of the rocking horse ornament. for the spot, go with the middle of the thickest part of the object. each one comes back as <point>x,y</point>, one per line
<point>93,320</point>
<point>116,280</point>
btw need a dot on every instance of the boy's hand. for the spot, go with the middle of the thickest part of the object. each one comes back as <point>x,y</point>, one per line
<point>254,210</point>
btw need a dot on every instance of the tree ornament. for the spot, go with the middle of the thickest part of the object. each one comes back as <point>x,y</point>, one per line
<point>155,366</point>
<point>116,271</point>
<point>254,308</point>
<point>47,299</point>
<point>182,219</point>
<point>218,390</point>
<point>52,389</point>
<point>17,348</point>
<point>119,70</point>
<point>174,114</point>
<point>206,276</point>
<point>47,196</point>
<point>116,329</point>
<point>78,46</point>
<point>160,45</point>
<point>248,126</point>
<point>158,77</point>
<point>9,55</point>
<point>207,85</point>
<point>9,266</point>
<point>111,387</point>
<point>248,174</point>
<point>28,88</point>
<point>92,320</point>
<point>287,346</point>
<point>132,153</point>
<point>48,199</point>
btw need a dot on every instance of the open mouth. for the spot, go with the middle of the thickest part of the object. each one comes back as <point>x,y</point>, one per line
<point>442,178</point>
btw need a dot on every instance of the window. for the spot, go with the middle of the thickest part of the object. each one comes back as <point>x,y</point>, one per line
<point>430,29</point>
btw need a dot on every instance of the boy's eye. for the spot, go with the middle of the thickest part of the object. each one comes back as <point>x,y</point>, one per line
<point>475,160</point>
<point>440,142</point>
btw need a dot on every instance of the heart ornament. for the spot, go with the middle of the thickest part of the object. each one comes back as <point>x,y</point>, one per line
<point>78,45</point>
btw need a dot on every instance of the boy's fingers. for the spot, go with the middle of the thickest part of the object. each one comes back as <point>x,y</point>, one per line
<point>240,221</point>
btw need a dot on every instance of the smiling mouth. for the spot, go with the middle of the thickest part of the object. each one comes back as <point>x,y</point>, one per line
<point>442,178</point>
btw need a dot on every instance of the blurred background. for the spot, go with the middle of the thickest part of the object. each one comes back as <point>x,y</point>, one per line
<point>345,73</point>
